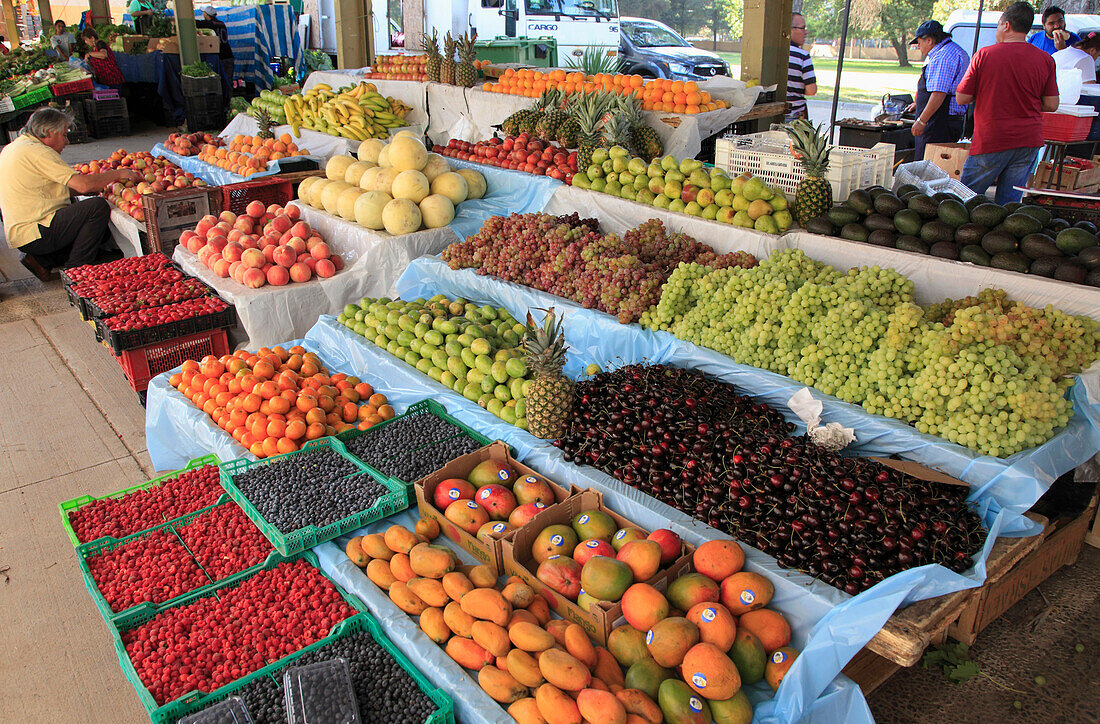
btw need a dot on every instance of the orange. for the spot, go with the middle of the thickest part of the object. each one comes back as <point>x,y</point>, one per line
<point>315,414</point>
<point>349,412</point>
<point>252,402</point>
<point>306,401</point>
<point>257,449</point>
<point>276,428</point>
<point>279,405</point>
<point>314,431</point>
<point>386,412</point>
<point>286,445</point>
<point>364,390</point>
<point>270,446</point>
<point>296,430</point>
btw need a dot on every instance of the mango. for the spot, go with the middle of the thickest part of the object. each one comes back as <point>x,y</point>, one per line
<point>680,704</point>
<point>690,589</point>
<point>627,645</point>
<point>594,524</point>
<point>637,702</point>
<point>642,556</point>
<point>710,673</point>
<point>519,594</point>
<point>491,637</point>
<point>456,584</point>
<point>769,626</point>
<point>355,552</point>
<point>718,559</point>
<point>564,671</point>
<point>580,646</point>
<point>482,576</point>
<point>404,598</point>
<point>540,609</point>
<point>601,706</point>
<point>500,685</point>
<point>526,711</point>
<point>487,604</point>
<point>556,707</point>
<point>374,545</point>
<point>646,676</point>
<point>524,668</point>
<point>608,669</point>
<point>530,637</point>
<point>671,639</point>
<point>378,571</point>
<point>521,615</point>
<point>561,574</point>
<point>779,663</point>
<point>748,656</point>
<point>434,625</point>
<point>460,622</point>
<point>556,628</point>
<point>401,568</point>
<point>431,561</point>
<point>644,605</point>
<point>735,710</point>
<point>400,539</point>
<point>746,591</point>
<point>554,540</point>
<point>468,653</point>
<point>606,578</point>
<point>430,591</point>
<point>716,624</point>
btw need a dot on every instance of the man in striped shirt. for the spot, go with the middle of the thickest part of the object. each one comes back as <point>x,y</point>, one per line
<point>801,81</point>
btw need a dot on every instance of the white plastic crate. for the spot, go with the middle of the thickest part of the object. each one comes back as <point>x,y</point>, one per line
<point>6,105</point>
<point>768,156</point>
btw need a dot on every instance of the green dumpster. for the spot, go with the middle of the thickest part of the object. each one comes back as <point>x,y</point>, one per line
<point>536,52</point>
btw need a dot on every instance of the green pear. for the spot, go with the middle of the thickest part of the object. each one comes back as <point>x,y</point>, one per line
<point>628,192</point>
<point>740,203</point>
<point>612,177</point>
<point>753,189</point>
<point>724,197</point>
<point>641,182</point>
<point>607,164</point>
<point>661,201</point>
<point>676,205</point>
<point>688,165</point>
<point>759,208</point>
<point>654,170</point>
<point>619,163</point>
<point>599,155</point>
<point>738,182</point>
<point>726,215</point>
<point>645,196</point>
<point>626,178</point>
<point>657,185</point>
<point>674,175</point>
<point>778,201</point>
<point>673,189</point>
<point>783,220</point>
<point>766,192</point>
<point>705,197</point>
<point>668,163</point>
<point>766,224</point>
<point>582,181</point>
<point>598,184</point>
<point>719,181</point>
<point>613,187</point>
<point>742,218</point>
<point>618,152</point>
<point>594,172</point>
<point>700,178</point>
<point>693,208</point>
<point>636,166</point>
<point>710,212</point>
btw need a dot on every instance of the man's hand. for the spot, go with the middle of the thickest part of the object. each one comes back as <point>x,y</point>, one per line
<point>917,128</point>
<point>911,107</point>
<point>1060,38</point>
<point>128,174</point>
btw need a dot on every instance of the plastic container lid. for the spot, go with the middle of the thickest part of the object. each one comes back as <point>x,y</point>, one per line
<point>230,711</point>
<point>1076,110</point>
<point>320,693</point>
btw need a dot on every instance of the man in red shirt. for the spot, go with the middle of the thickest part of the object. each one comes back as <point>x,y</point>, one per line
<point>1011,84</point>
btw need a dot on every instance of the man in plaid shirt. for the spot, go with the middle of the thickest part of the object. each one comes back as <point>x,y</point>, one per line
<point>939,116</point>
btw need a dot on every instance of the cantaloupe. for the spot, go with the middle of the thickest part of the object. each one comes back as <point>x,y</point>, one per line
<point>401,216</point>
<point>384,180</point>
<point>356,171</point>
<point>451,185</point>
<point>435,166</point>
<point>337,166</point>
<point>369,149</point>
<point>437,211</point>
<point>411,185</point>
<point>331,194</point>
<point>315,191</point>
<point>369,178</point>
<point>384,156</point>
<point>303,188</point>
<point>406,153</point>
<point>406,132</point>
<point>368,208</point>
<point>345,203</point>
<point>475,183</point>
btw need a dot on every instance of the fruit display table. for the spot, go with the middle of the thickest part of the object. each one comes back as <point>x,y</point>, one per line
<point>410,92</point>
<point>320,145</point>
<point>215,176</point>
<point>127,232</point>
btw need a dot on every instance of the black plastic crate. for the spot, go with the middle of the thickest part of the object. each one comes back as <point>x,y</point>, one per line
<point>205,121</point>
<point>113,108</point>
<point>109,127</point>
<point>211,84</point>
<point>121,341</point>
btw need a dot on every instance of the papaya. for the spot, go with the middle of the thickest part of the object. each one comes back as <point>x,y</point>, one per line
<point>500,685</point>
<point>460,622</point>
<point>487,604</point>
<point>468,653</point>
<point>355,552</point>
<point>378,571</point>
<point>374,545</point>
<point>400,539</point>
<point>431,561</point>
<point>456,584</point>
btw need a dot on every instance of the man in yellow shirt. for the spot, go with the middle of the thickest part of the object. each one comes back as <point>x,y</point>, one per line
<point>40,219</point>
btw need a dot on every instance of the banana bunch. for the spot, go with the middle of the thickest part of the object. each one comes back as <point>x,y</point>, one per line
<point>357,112</point>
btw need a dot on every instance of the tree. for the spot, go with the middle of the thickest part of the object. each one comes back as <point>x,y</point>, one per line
<point>895,19</point>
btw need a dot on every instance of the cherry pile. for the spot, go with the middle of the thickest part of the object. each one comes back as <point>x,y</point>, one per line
<point>153,316</point>
<point>142,509</point>
<point>117,284</point>
<point>694,443</point>
<point>214,641</point>
<point>224,541</point>
<point>119,267</point>
<point>184,289</point>
<point>153,568</point>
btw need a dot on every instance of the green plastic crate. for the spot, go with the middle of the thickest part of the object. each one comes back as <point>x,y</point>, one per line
<point>392,502</point>
<point>429,407</point>
<point>69,506</point>
<point>170,712</point>
<point>29,99</point>
<point>364,622</point>
<point>504,49</point>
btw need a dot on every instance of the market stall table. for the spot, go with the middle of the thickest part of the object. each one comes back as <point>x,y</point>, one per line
<point>128,232</point>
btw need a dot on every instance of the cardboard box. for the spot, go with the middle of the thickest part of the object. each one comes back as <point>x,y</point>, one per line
<point>599,621</point>
<point>1073,177</point>
<point>207,44</point>
<point>488,553</point>
<point>169,214</point>
<point>948,156</point>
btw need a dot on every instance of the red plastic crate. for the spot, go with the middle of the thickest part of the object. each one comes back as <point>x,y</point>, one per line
<point>144,363</point>
<point>236,197</point>
<point>1066,128</point>
<point>84,85</point>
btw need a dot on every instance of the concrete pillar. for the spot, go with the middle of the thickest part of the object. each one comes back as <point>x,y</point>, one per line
<point>353,39</point>
<point>186,32</point>
<point>100,12</point>
<point>412,23</point>
<point>45,12</point>
<point>9,20</point>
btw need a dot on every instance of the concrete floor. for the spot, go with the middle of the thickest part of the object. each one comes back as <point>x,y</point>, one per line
<point>73,426</point>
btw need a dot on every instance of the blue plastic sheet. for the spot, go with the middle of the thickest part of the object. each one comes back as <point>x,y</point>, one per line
<point>509,192</point>
<point>1011,484</point>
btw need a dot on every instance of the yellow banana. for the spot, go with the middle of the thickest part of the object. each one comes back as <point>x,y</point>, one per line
<point>322,86</point>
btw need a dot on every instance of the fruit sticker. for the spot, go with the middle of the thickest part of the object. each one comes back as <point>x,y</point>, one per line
<point>472,505</point>
<point>453,493</point>
<point>699,680</point>
<point>708,614</point>
<point>504,475</point>
<point>556,540</point>
<point>620,534</point>
<point>530,479</point>
<point>747,596</point>
<point>583,519</point>
<point>485,493</point>
<point>695,704</point>
<point>592,543</point>
<point>499,527</point>
<point>649,637</point>
<point>779,657</point>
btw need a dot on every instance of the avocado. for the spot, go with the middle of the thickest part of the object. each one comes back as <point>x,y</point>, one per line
<point>923,205</point>
<point>841,215</point>
<point>945,250</point>
<point>996,242</point>
<point>987,214</point>
<point>1020,225</point>
<point>974,202</point>
<point>1090,258</point>
<point>935,231</point>
<point>952,213</point>
<point>911,243</point>
<point>877,221</point>
<point>882,237</point>
<point>907,195</point>
<point>1010,261</point>
<point>907,221</point>
<point>1036,212</point>
<point>1074,241</point>
<point>1044,266</point>
<point>906,189</point>
<point>1086,225</point>
<point>970,233</point>
<point>942,196</point>
<point>1057,225</point>
<point>877,191</point>
<point>861,201</point>
<point>854,232</point>
<point>1093,278</point>
<point>1071,271</point>
<point>888,204</point>
<point>1011,206</point>
<point>1035,246</point>
<point>974,254</point>
<point>821,225</point>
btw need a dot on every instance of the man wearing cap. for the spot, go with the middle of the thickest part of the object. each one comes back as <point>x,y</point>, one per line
<point>1082,56</point>
<point>1011,83</point>
<point>1054,36</point>
<point>939,115</point>
<point>210,21</point>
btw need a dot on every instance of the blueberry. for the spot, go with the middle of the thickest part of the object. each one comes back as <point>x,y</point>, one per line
<point>410,448</point>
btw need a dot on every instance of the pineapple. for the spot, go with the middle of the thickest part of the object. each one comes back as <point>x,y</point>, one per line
<point>814,195</point>
<point>263,118</point>
<point>447,64</point>
<point>550,397</point>
<point>647,143</point>
<point>567,133</point>
<point>465,73</point>
<point>512,124</point>
<point>552,117</point>
<point>616,132</point>
<point>590,114</point>
<point>431,49</point>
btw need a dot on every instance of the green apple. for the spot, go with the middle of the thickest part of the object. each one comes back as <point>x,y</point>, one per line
<point>636,166</point>
<point>676,205</point>
<point>711,212</point>
<point>661,201</point>
<point>645,196</point>
<point>693,208</point>
<point>669,163</point>
<point>700,178</point>
<point>724,197</point>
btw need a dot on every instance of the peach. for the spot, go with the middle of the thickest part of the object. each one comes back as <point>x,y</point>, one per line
<point>234,235</point>
<point>244,225</point>
<point>217,243</point>
<point>282,223</point>
<point>325,268</point>
<point>300,272</point>
<point>284,256</point>
<point>227,216</point>
<point>297,243</point>
<point>253,258</point>
<point>235,269</point>
<point>313,241</point>
<point>337,261</point>
<point>320,251</point>
<point>278,276</point>
<point>221,268</point>
<point>194,244</point>
<point>269,252</point>
<point>301,229</point>
<point>311,263</point>
<point>254,278</point>
<point>293,212</point>
<point>255,209</point>
<point>232,252</point>
<point>274,209</point>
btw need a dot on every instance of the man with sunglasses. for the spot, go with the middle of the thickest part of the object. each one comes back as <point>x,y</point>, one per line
<point>801,81</point>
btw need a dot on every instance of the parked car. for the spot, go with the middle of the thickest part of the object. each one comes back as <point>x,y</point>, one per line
<point>654,50</point>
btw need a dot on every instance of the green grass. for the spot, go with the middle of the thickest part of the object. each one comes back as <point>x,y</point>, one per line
<point>864,81</point>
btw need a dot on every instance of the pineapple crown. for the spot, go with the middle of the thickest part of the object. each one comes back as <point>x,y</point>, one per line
<point>550,98</point>
<point>466,45</point>
<point>810,142</point>
<point>544,344</point>
<point>430,42</point>
<point>449,44</point>
<point>591,110</point>
<point>617,128</point>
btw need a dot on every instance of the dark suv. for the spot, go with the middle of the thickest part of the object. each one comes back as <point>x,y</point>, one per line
<point>654,50</point>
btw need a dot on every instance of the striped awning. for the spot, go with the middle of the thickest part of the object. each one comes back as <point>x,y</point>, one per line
<point>259,34</point>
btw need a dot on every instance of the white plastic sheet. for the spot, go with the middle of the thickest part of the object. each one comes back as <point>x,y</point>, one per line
<point>321,145</point>
<point>126,230</point>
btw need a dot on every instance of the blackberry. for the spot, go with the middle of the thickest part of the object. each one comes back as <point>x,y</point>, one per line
<point>399,436</point>
<point>317,488</point>
<point>415,464</point>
